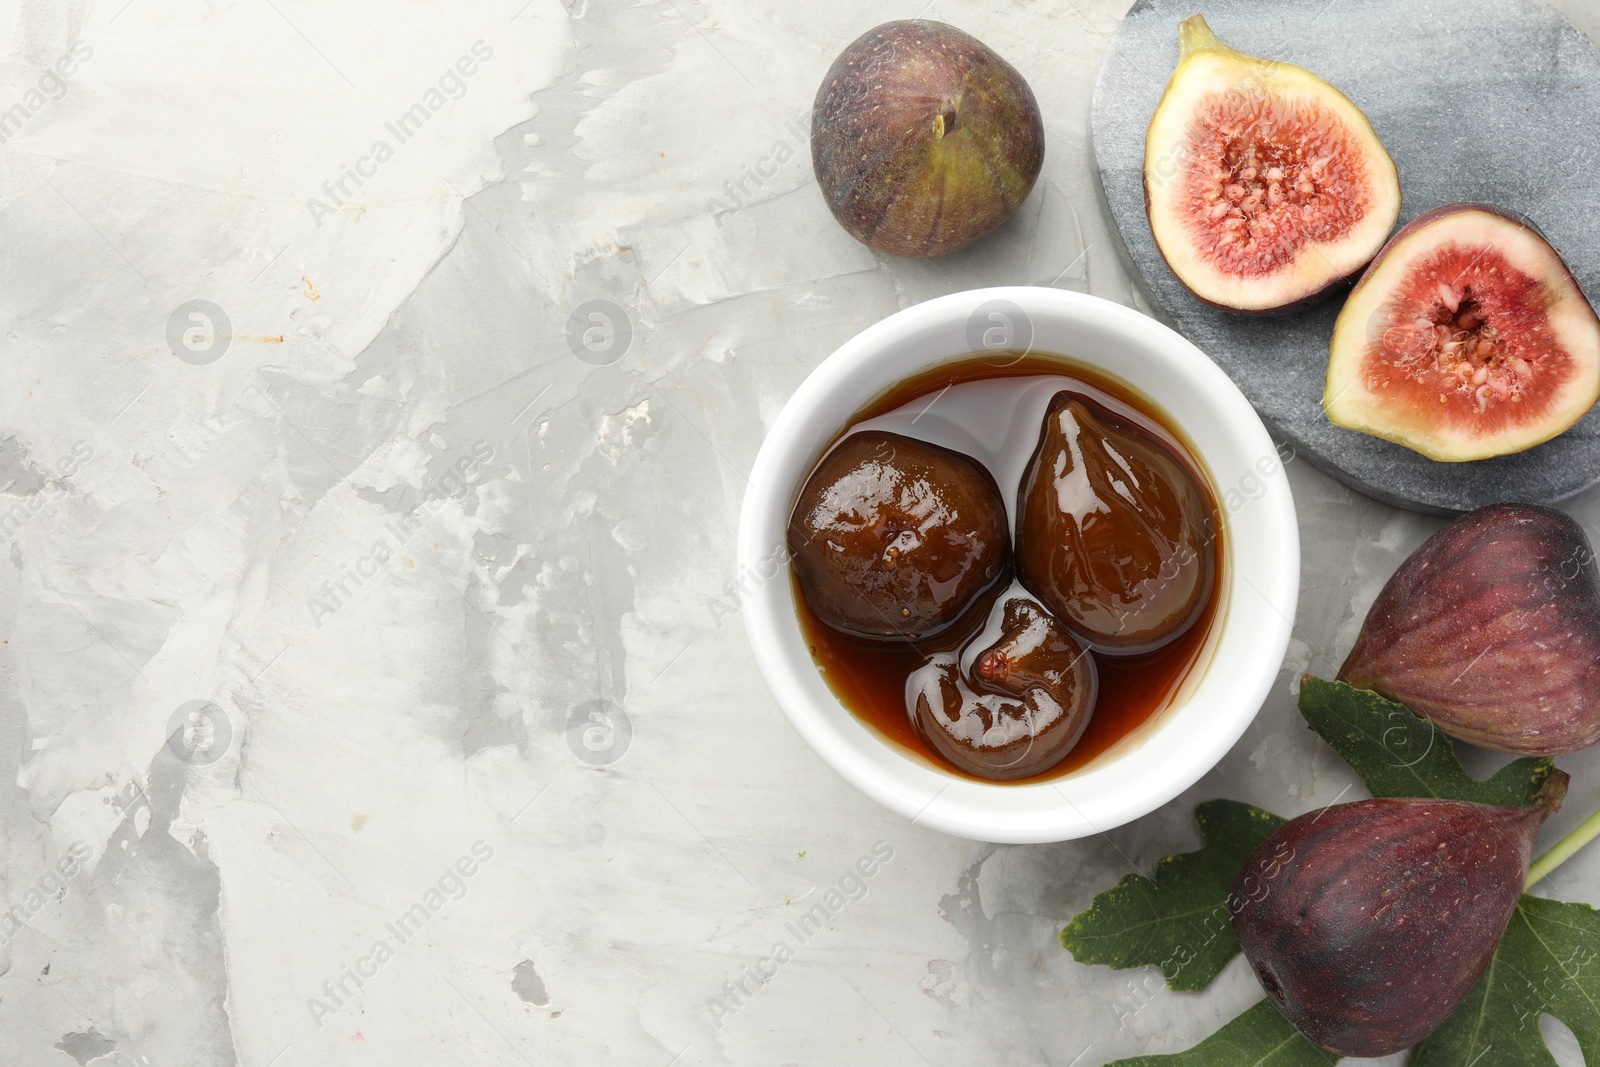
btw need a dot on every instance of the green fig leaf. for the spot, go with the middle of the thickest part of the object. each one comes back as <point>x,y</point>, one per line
<point>1259,1038</point>
<point>1400,754</point>
<point>1181,921</point>
<point>1548,963</point>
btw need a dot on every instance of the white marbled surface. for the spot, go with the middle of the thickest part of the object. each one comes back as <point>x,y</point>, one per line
<point>394,538</point>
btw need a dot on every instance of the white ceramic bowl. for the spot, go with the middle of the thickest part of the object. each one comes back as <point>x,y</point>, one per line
<point>1226,687</point>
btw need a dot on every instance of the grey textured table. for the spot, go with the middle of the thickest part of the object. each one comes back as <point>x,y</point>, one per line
<point>1492,101</point>
<point>436,561</point>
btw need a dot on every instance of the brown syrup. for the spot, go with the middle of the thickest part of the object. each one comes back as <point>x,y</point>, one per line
<point>869,676</point>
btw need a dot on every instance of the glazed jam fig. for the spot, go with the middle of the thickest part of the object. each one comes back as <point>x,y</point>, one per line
<point>1113,533</point>
<point>895,537</point>
<point>1019,707</point>
<point>1001,685</point>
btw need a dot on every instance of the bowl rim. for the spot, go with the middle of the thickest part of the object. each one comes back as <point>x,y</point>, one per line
<point>1044,811</point>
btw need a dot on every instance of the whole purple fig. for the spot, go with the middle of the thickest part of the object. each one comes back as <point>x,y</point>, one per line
<point>1368,923</point>
<point>1492,630</point>
<point>923,138</point>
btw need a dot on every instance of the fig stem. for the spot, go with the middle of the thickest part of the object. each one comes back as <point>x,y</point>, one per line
<point>1564,849</point>
<point>1194,35</point>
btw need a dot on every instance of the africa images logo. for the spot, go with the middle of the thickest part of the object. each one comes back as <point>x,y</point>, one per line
<point>452,885</point>
<point>451,86</point>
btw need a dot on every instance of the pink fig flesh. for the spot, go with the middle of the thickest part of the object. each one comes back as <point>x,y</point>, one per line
<point>1367,924</point>
<point>1264,185</point>
<point>1467,337</point>
<point>1492,630</point>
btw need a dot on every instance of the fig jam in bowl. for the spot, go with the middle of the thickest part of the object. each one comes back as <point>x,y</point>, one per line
<point>977,373</point>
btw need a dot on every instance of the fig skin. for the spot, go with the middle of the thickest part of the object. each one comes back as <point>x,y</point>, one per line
<point>1367,924</point>
<point>1551,397</point>
<point>923,139</point>
<point>1229,95</point>
<point>895,537</point>
<point>1020,707</point>
<point>1125,573</point>
<point>1491,630</point>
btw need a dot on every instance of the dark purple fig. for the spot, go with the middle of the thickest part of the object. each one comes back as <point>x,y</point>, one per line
<point>1368,923</point>
<point>1492,630</point>
<point>894,537</point>
<point>1019,708</point>
<point>923,139</point>
<point>1113,530</point>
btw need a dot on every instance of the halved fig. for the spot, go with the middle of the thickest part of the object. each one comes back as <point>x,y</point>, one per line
<point>1265,185</point>
<point>1467,338</point>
